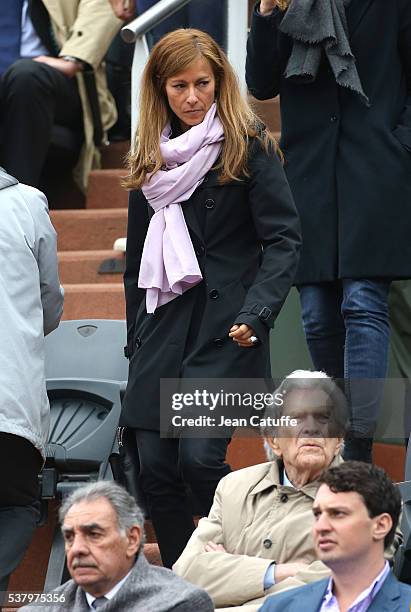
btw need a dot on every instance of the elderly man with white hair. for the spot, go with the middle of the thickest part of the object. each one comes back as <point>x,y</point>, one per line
<point>257,539</point>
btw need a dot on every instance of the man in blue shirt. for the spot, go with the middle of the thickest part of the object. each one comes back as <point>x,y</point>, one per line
<point>356,512</point>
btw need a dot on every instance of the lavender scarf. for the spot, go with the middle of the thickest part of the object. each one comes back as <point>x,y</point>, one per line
<point>169,266</point>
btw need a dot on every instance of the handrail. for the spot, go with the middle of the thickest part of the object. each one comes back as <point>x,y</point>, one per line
<point>150,18</point>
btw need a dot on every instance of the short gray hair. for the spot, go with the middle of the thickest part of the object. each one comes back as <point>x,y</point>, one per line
<point>310,381</point>
<point>126,510</point>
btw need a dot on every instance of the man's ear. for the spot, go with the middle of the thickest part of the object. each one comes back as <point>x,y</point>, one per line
<point>382,526</point>
<point>339,447</point>
<point>134,539</point>
<point>273,444</point>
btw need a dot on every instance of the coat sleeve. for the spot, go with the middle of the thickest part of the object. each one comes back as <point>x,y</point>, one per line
<point>196,600</point>
<point>229,579</point>
<point>137,226</point>
<point>262,70</point>
<point>92,32</point>
<point>45,252</point>
<point>277,226</point>
<point>403,129</point>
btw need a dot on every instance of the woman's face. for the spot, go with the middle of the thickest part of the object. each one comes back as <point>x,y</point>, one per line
<point>191,93</point>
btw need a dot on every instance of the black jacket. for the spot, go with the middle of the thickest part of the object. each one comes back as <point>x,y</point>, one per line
<point>349,166</point>
<point>246,235</point>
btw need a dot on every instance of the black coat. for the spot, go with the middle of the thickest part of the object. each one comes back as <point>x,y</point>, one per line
<point>349,166</point>
<point>246,236</point>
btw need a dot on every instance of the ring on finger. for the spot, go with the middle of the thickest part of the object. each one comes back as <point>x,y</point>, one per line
<point>254,340</point>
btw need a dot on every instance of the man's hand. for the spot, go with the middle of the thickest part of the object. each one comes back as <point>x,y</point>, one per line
<point>124,9</point>
<point>242,334</point>
<point>286,570</point>
<point>67,68</point>
<point>267,7</point>
<point>211,547</point>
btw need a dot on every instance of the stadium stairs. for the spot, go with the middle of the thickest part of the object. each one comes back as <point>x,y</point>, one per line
<point>85,241</point>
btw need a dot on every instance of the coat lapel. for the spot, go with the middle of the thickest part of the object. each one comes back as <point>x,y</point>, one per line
<point>388,598</point>
<point>355,12</point>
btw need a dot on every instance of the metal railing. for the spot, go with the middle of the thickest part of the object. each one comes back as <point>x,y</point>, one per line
<point>151,18</point>
<point>135,31</point>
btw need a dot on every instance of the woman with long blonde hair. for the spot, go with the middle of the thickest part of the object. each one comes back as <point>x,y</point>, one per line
<point>212,245</point>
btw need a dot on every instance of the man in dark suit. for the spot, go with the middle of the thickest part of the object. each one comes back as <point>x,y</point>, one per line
<point>356,512</point>
<point>103,532</point>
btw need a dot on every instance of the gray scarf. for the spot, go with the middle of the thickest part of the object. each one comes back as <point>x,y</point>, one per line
<point>314,26</point>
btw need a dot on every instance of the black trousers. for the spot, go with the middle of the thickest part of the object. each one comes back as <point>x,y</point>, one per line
<point>20,464</point>
<point>34,96</point>
<point>169,470</point>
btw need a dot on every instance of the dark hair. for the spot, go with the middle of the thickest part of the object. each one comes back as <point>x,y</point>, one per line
<point>379,493</point>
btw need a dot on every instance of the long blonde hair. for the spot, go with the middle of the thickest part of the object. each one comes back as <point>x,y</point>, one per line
<point>171,55</point>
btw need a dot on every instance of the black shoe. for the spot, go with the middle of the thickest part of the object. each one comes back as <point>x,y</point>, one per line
<point>358,449</point>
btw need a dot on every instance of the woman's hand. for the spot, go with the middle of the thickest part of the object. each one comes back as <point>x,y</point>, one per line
<point>242,335</point>
<point>267,7</point>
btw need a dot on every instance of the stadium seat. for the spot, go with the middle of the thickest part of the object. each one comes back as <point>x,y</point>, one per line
<point>85,371</point>
<point>89,348</point>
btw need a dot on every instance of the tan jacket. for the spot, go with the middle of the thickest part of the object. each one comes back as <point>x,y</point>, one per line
<point>85,29</point>
<point>251,507</point>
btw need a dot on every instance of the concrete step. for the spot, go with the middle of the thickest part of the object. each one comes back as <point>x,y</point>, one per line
<point>94,301</point>
<point>113,154</point>
<point>268,111</point>
<point>82,230</point>
<point>105,190</point>
<point>89,266</point>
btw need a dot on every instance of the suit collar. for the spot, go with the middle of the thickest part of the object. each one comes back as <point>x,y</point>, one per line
<point>355,12</point>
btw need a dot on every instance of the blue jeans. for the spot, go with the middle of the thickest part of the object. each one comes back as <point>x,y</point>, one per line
<point>346,325</point>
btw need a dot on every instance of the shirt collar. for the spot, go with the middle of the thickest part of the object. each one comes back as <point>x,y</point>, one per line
<point>271,479</point>
<point>110,594</point>
<point>370,591</point>
<point>287,482</point>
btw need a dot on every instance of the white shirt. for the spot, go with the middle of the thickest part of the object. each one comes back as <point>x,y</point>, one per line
<point>110,594</point>
<point>30,43</point>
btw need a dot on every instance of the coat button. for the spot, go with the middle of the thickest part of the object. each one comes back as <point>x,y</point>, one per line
<point>209,203</point>
<point>138,342</point>
<point>333,118</point>
<point>214,294</point>
<point>219,342</point>
<point>267,543</point>
<point>200,250</point>
<point>284,498</point>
